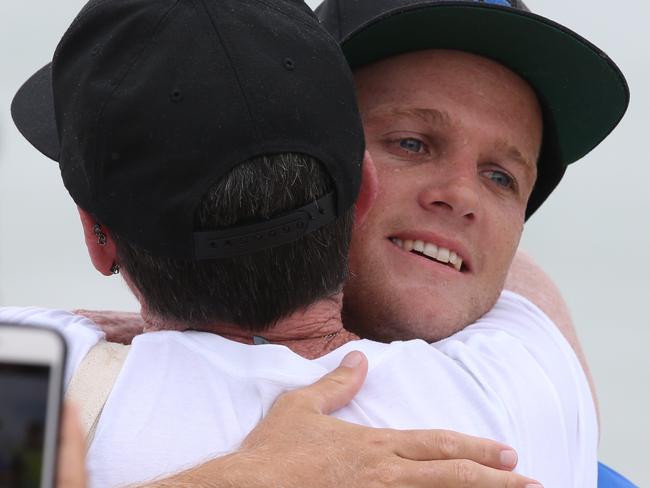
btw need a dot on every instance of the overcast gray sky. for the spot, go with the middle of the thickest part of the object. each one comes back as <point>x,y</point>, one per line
<point>592,236</point>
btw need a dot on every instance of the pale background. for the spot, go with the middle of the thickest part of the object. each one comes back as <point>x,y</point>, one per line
<point>592,236</point>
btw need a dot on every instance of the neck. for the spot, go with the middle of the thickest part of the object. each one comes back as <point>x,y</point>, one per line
<point>310,332</point>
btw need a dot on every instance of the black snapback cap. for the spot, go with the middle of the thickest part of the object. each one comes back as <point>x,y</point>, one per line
<point>148,103</point>
<point>582,92</point>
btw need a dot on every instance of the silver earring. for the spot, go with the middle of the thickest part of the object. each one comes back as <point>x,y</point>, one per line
<point>115,269</point>
<point>101,237</point>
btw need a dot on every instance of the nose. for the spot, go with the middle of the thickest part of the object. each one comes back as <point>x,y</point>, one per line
<point>457,193</point>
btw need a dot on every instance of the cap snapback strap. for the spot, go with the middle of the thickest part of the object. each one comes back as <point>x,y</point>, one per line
<point>283,229</point>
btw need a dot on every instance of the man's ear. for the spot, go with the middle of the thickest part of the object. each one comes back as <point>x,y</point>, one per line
<point>368,190</point>
<point>103,256</point>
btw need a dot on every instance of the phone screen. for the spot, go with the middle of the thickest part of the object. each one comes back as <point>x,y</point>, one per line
<point>23,409</point>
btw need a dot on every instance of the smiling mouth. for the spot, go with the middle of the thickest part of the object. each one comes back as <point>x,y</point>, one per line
<point>432,252</point>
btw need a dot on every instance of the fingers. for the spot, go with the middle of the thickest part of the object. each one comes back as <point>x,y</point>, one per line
<point>71,471</point>
<point>459,473</point>
<point>425,445</point>
<point>120,327</point>
<point>335,389</point>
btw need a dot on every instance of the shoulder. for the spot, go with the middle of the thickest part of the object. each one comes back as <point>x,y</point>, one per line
<point>80,333</point>
<point>529,280</point>
<point>515,324</point>
<point>517,343</point>
<point>517,354</point>
<point>518,318</point>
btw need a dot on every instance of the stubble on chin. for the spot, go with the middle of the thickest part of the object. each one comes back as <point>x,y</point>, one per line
<point>385,318</point>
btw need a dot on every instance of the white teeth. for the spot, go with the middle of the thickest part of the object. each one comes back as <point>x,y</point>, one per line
<point>430,250</point>
<point>443,255</point>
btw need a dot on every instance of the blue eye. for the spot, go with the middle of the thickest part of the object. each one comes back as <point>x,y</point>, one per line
<point>501,178</point>
<point>412,145</point>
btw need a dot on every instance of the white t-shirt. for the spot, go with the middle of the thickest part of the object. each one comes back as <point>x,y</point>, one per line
<point>184,397</point>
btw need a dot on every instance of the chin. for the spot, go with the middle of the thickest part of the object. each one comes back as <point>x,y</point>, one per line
<point>386,324</point>
<point>391,319</point>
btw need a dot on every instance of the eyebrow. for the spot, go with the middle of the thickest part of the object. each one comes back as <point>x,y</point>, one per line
<point>429,115</point>
<point>436,117</point>
<point>513,153</point>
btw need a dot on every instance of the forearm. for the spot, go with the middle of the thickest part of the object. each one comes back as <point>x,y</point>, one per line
<point>224,472</point>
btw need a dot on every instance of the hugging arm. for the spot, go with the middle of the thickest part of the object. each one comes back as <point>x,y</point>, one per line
<point>298,444</point>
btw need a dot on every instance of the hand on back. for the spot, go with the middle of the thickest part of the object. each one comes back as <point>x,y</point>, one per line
<point>120,327</point>
<point>299,444</point>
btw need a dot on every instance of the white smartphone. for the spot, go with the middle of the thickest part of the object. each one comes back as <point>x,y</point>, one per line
<point>32,361</point>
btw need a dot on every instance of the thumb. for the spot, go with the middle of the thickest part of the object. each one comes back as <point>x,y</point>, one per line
<point>338,388</point>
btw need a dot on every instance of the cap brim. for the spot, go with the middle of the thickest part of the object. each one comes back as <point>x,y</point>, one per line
<point>584,90</point>
<point>583,93</point>
<point>32,110</point>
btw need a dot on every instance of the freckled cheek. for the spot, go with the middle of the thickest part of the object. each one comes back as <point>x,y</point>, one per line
<point>501,235</point>
<point>385,171</point>
<point>394,187</point>
<point>508,243</point>
<point>398,179</point>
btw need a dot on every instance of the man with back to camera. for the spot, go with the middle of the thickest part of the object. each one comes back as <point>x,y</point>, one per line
<point>492,172</point>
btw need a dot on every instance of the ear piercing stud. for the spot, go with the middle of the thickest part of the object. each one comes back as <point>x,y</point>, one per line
<point>101,237</point>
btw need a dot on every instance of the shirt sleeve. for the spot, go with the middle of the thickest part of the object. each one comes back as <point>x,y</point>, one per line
<point>80,333</point>
<point>517,353</point>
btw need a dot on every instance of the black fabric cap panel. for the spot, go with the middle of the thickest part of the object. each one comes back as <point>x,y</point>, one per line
<point>156,100</point>
<point>291,111</point>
